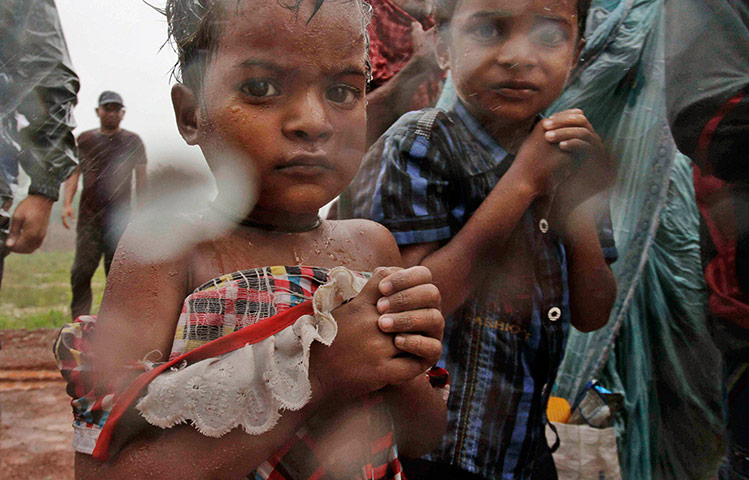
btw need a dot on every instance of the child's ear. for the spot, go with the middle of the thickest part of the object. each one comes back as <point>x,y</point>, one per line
<point>186,107</point>
<point>442,48</point>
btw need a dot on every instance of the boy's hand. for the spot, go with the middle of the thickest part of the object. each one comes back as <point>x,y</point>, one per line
<point>540,163</point>
<point>363,358</point>
<point>595,168</point>
<point>410,308</point>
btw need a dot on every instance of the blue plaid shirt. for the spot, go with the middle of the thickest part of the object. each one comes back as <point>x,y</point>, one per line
<point>423,180</point>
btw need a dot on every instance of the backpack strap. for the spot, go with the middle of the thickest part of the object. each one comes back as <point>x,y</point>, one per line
<point>426,122</point>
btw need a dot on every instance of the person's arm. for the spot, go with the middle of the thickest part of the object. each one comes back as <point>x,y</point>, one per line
<point>591,283</point>
<point>141,185</point>
<point>411,314</point>
<point>71,187</point>
<point>389,101</point>
<point>461,265</point>
<point>48,153</point>
<point>48,145</point>
<point>141,174</point>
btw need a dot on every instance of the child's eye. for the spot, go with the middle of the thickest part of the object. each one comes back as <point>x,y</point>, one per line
<point>551,36</point>
<point>486,31</point>
<point>259,88</point>
<point>342,94</point>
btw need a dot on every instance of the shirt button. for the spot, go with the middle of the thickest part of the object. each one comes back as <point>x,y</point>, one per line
<point>543,225</point>
<point>554,314</point>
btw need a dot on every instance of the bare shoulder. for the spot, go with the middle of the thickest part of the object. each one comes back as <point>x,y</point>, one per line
<point>373,240</point>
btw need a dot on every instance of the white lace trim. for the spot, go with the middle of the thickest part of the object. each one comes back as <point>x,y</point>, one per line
<point>250,386</point>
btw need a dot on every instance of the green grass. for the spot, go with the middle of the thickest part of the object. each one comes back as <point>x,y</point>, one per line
<point>36,292</point>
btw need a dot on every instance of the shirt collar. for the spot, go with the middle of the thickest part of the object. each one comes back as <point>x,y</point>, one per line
<point>473,125</point>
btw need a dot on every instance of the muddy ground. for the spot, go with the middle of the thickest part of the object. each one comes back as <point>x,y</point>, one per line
<point>35,433</point>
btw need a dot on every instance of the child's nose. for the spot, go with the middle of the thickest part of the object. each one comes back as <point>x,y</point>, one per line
<point>307,119</point>
<point>517,52</point>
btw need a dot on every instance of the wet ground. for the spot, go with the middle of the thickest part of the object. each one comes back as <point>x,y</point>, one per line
<point>35,432</point>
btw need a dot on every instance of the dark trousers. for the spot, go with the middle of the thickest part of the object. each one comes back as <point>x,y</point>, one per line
<point>93,239</point>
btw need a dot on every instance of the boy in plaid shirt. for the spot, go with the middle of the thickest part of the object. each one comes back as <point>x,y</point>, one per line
<point>503,207</point>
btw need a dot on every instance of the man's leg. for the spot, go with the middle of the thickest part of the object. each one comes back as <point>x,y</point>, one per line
<point>88,250</point>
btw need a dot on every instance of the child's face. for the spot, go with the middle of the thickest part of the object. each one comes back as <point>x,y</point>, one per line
<point>287,97</point>
<point>510,59</point>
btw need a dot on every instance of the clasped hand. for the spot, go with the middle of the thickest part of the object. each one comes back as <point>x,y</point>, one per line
<point>388,334</point>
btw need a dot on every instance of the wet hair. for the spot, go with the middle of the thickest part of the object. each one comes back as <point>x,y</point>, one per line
<point>195,26</point>
<point>444,10</point>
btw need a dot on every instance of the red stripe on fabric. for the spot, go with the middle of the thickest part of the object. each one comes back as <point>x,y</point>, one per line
<point>707,133</point>
<point>382,443</point>
<point>380,471</point>
<point>248,335</point>
<point>276,475</point>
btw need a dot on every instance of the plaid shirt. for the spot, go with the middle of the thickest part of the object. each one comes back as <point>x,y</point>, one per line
<point>390,49</point>
<point>423,180</point>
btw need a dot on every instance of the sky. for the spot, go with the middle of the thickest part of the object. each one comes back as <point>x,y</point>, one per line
<point>117,45</point>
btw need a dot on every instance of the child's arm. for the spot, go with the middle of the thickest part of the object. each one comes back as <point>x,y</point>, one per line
<point>592,284</point>
<point>460,266</point>
<point>410,307</point>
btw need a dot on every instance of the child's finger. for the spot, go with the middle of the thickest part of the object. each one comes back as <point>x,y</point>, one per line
<point>370,293</point>
<point>428,321</point>
<point>405,278</point>
<point>421,296</point>
<point>566,119</point>
<point>574,145</point>
<point>427,349</point>
<point>403,368</point>
<point>569,133</point>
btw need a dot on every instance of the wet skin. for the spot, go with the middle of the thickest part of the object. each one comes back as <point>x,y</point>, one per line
<point>510,59</point>
<point>286,98</point>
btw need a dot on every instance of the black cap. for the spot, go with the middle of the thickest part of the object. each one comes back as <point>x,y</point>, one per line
<point>108,96</point>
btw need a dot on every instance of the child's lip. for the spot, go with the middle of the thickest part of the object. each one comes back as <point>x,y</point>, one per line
<point>515,89</point>
<point>304,162</point>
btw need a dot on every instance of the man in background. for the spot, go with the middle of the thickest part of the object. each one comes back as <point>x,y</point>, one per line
<point>38,91</point>
<point>109,155</point>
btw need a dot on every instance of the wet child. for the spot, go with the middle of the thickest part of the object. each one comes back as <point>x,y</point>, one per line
<point>273,94</point>
<point>502,205</point>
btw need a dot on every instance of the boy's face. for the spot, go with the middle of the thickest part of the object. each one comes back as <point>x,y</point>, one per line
<point>510,59</point>
<point>286,97</point>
